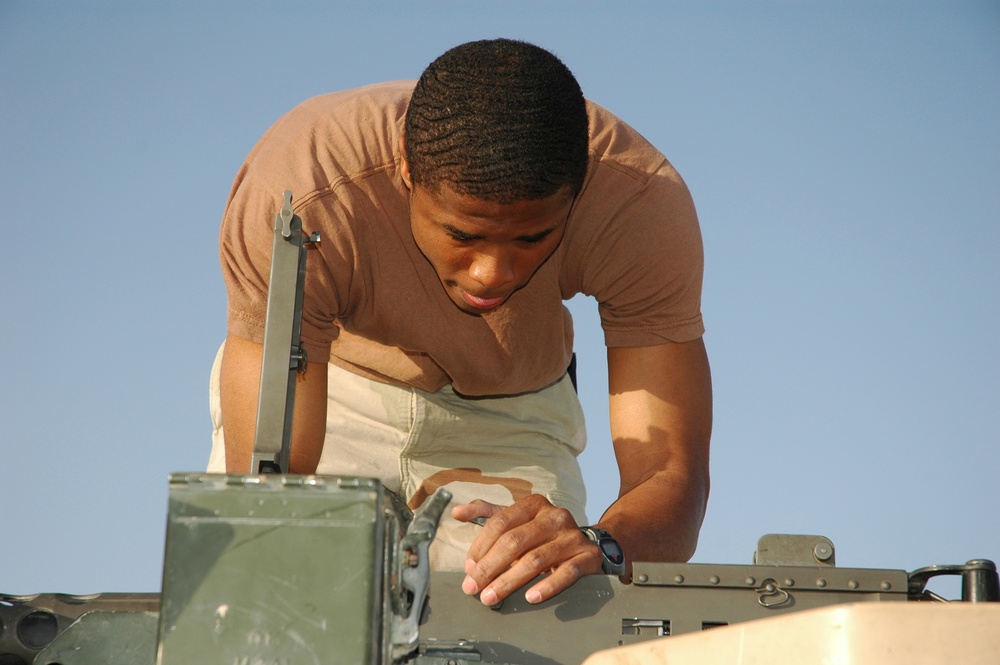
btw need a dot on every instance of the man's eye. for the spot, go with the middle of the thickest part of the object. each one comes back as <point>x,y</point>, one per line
<point>534,240</point>
<point>461,237</point>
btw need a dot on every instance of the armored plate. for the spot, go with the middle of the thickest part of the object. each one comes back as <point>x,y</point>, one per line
<point>108,638</point>
<point>924,633</point>
<point>30,624</point>
<point>600,612</point>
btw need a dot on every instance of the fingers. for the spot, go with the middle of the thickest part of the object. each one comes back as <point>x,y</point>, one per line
<point>522,541</point>
<point>564,576</point>
<point>565,566</point>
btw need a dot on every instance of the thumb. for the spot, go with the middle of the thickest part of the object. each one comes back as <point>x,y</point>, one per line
<point>466,512</point>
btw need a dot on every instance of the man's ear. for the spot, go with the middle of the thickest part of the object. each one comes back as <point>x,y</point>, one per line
<point>404,166</point>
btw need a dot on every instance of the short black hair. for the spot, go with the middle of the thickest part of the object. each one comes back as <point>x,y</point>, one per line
<point>500,120</point>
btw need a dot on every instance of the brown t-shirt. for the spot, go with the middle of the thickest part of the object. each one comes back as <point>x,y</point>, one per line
<point>373,303</point>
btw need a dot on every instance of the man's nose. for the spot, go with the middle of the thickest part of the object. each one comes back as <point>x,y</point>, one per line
<point>493,269</point>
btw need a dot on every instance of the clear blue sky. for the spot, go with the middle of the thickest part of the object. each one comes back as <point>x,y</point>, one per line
<point>844,158</point>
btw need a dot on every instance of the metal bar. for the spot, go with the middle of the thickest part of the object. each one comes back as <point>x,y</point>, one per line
<point>283,356</point>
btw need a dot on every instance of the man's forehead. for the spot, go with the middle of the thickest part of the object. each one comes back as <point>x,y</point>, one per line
<point>451,199</point>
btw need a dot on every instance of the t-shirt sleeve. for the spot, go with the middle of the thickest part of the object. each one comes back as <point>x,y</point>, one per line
<point>338,154</point>
<point>644,260</point>
<point>245,255</point>
<point>245,245</point>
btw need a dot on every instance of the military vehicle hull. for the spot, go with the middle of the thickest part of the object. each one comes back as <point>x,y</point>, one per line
<point>282,569</point>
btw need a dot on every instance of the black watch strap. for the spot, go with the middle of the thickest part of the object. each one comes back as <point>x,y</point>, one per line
<point>613,558</point>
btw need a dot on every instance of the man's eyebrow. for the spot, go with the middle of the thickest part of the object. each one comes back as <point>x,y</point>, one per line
<point>462,234</point>
<point>534,237</point>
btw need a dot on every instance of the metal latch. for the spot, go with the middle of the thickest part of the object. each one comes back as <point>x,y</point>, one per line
<point>771,595</point>
<point>413,573</point>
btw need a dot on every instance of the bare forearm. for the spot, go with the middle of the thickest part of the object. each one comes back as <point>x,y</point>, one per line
<point>659,519</point>
<point>661,424</point>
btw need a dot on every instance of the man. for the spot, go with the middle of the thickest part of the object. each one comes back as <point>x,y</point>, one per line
<point>454,223</point>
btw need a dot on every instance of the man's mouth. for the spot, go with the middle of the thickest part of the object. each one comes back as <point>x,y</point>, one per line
<point>482,303</point>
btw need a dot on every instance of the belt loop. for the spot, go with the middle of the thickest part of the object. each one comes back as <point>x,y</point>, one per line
<point>571,370</point>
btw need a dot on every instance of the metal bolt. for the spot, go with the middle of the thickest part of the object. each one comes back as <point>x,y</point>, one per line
<point>886,585</point>
<point>822,552</point>
<point>789,581</point>
<point>750,581</point>
<point>714,579</point>
<point>643,578</point>
<point>821,583</point>
<point>853,584</point>
<point>678,579</point>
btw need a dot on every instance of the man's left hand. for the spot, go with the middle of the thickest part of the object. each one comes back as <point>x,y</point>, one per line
<point>520,542</point>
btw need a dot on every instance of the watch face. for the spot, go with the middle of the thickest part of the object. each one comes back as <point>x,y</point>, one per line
<point>612,551</point>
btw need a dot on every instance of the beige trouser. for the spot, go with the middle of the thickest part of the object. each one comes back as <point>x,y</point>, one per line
<point>496,449</point>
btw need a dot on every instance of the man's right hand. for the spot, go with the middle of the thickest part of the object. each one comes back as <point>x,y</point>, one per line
<point>239,390</point>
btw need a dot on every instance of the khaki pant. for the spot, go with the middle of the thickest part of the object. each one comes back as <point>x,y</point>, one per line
<point>497,449</point>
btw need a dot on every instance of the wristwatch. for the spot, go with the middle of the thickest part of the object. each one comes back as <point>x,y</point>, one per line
<point>613,557</point>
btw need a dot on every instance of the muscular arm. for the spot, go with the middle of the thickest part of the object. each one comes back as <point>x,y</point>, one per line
<point>240,386</point>
<point>661,423</point>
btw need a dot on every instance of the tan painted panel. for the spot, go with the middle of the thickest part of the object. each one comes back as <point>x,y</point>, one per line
<point>853,634</point>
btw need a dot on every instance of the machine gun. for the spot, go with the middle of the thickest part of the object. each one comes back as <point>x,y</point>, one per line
<point>267,568</point>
